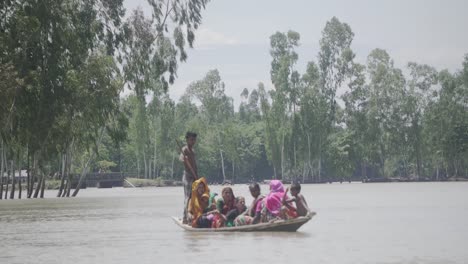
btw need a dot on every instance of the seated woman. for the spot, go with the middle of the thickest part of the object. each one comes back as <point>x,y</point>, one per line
<point>198,207</point>
<point>273,204</point>
<point>253,213</point>
<point>223,205</point>
<point>256,207</point>
<point>239,209</point>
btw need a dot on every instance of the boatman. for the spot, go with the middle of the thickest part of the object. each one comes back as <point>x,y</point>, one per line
<point>187,156</point>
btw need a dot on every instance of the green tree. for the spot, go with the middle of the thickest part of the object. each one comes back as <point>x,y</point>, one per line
<point>334,63</point>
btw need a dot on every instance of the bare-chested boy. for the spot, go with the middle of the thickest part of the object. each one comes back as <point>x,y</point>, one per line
<point>302,208</point>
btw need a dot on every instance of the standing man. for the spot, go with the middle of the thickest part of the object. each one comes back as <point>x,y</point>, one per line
<point>187,156</point>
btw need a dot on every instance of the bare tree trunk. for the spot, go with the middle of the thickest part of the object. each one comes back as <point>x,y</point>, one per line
<point>151,169</point>
<point>1,170</point>
<point>309,155</point>
<point>304,168</point>
<point>418,164</point>
<point>8,177</point>
<point>222,164</point>
<point>172,170</point>
<point>37,174</point>
<point>85,169</point>
<point>363,170</point>
<point>30,175</point>
<point>282,157</point>
<point>382,159</point>
<point>62,174</point>
<point>320,160</point>
<point>34,175</point>
<point>43,185</point>
<point>68,186</point>
<point>138,166</point>
<point>19,180</point>
<point>294,149</point>
<point>312,172</point>
<point>27,171</point>
<point>13,180</point>
<point>68,175</point>
<point>39,185</point>
<point>145,163</point>
<point>155,154</point>
<point>151,175</point>
<point>233,168</point>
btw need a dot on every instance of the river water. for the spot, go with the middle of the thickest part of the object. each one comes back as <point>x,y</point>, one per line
<point>355,223</point>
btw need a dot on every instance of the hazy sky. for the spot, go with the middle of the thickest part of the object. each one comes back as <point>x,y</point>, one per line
<point>234,36</point>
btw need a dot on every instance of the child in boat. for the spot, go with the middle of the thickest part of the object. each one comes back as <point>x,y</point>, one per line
<point>212,201</point>
<point>302,209</point>
<point>254,189</point>
<point>237,211</point>
<point>199,204</point>
<point>254,211</point>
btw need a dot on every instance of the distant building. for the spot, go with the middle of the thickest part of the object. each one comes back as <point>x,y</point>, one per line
<point>23,178</point>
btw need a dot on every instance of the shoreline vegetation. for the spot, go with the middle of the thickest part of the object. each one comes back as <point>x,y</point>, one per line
<point>157,183</point>
<point>64,115</point>
<point>145,183</point>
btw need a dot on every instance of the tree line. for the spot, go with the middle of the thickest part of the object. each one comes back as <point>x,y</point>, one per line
<point>64,65</point>
<point>409,124</point>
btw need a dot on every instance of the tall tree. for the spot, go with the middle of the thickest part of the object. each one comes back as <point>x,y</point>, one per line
<point>420,91</point>
<point>284,95</point>
<point>334,63</point>
<point>151,55</point>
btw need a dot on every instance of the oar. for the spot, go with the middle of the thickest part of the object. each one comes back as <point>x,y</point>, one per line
<point>186,161</point>
<point>286,202</point>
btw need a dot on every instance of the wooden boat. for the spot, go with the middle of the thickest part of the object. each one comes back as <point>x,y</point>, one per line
<point>291,225</point>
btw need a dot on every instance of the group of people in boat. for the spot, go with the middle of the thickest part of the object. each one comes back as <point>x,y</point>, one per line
<point>204,209</point>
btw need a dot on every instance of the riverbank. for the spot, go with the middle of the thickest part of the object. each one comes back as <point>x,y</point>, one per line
<point>128,183</point>
<point>135,182</point>
<point>140,183</point>
<point>453,179</point>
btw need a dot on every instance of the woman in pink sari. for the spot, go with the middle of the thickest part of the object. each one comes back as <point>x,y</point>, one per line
<point>273,204</point>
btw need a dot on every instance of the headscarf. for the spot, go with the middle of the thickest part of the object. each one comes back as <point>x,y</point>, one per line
<point>273,201</point>
<point>225,206</point>
<point>199,202</point>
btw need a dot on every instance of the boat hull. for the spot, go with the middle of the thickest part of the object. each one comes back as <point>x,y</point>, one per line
<point>291,225</point>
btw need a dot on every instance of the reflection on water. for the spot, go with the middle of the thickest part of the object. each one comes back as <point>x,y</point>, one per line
<point>356,223</point>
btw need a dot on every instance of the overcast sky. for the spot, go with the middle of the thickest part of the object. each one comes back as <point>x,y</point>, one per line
<point>234,36</point>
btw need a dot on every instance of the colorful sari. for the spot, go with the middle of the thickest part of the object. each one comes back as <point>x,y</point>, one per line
<point>274,200</point>
<point>223,206</point>
<point>273,207</point>
<point>198,203</point>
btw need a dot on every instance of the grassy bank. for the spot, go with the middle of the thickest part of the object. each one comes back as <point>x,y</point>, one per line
<point>158,182</point>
